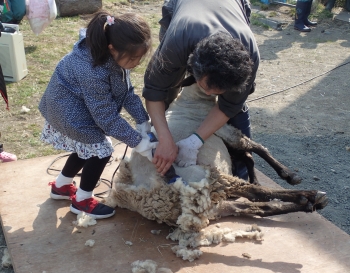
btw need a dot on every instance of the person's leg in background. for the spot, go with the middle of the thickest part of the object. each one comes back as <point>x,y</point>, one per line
<point>301,9</point>
<point>347,5</point>
<point>330,4</point>
<point>307,22</point>
<point>242,122</point>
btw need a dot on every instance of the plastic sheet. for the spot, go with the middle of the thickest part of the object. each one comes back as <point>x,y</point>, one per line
<point>40,13</point>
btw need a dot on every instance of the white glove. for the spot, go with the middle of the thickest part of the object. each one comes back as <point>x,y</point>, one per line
<point>188,150</point>
<point>145,148</point>
<point>143,128</point>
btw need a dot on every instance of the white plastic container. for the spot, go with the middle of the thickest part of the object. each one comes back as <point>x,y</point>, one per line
<point>12,56</point>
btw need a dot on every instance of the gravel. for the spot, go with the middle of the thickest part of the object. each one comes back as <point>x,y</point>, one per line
<point>322,162</point>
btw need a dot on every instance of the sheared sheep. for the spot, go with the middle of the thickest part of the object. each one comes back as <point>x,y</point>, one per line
<point>207,190</point>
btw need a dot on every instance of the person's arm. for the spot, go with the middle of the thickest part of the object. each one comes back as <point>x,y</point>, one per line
<point>133,104</point>
<point>189,147</point>
<point>213,122</point>
<point>166,151</point>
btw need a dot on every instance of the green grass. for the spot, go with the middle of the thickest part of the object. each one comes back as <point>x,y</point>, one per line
<point>254,19</point>
<point>21,131</point>
<point>321,13</point>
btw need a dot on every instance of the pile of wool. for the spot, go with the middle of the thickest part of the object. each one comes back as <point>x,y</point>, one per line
<point>6,259</point>
<point>90,243</point>
<point>84,220</point>
<point>189,241</point>
<point>196,206</point>
<point>197,210</point>
<point>148,266</point>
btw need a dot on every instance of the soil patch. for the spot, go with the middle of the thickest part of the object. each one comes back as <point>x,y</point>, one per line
<point>306,124</point>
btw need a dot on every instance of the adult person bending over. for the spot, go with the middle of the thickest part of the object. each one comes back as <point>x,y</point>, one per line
<point>219,66</point>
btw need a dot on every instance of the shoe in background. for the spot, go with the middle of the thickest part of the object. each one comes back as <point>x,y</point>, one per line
<point>6,157</point>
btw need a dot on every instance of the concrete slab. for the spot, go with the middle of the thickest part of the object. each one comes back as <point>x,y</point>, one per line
<point>343,16</point>
<point>41,237</point>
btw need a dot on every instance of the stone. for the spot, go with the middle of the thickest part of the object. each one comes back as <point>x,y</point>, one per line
<point>67,8</point>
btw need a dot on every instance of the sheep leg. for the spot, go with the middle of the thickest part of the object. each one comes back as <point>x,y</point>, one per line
<point>233,186</point>
<point>249,162</point>
<point>263,209</point>
<point>255,193</point>
<point>285,173</point>
<point>247,159</point>
<point>248,145</point>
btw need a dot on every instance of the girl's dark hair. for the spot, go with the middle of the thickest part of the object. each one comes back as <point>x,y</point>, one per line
<point>129,33</point>
<point>224,60</point>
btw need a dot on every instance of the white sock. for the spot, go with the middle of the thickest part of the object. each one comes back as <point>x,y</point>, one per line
<point>61,180</point>
<point>82,195</point>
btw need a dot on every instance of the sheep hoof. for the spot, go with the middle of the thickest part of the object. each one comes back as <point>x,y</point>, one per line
<point>321,200</point>
<point>303,200</point>
<point>293,179</point>
<point>309,207</point>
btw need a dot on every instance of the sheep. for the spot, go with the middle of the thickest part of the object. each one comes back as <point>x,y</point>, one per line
<point>208,190</point>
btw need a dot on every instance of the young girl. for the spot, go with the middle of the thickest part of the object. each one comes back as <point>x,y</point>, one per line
<point>83,100</point>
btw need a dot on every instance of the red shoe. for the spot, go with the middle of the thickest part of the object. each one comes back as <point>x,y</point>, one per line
<point>92,208</point>
<point>7,157</point>
<point>64,192</point>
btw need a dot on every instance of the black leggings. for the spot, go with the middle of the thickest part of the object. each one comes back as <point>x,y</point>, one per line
<point>92,170</point>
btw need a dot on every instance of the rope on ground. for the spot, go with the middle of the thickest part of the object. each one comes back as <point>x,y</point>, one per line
<point>277,92</point>
<point>107,182</point>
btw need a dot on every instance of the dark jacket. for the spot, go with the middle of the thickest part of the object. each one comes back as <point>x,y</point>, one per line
<point>186,23</point>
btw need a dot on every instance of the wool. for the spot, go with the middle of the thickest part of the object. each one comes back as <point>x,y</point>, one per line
<point>84,220</point>
<point>6,259</point>
<point>90,243</point>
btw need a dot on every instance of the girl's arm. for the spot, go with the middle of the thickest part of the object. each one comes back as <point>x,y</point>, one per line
<point>133,105</point>
<point>104,109</point>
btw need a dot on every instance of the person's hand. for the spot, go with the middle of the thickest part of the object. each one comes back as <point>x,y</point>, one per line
<point>145,147</point>
<point>165,155</point>
<point>143,128</point>
<point>188,150</point>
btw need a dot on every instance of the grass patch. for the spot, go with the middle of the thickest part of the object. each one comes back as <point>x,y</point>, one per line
<point>21,131</point>
<point>321,13</point>
<point>254,19</point>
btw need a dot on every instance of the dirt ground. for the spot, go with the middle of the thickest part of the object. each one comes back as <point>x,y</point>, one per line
<point>307,124</point>
<point>307,127</point>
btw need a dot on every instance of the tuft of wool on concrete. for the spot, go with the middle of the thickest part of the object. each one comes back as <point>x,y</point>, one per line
<point>90,243</point>
<point>84,220</point>
<point>189,241</point>
<point>148,266</point>
<point>6,259</point>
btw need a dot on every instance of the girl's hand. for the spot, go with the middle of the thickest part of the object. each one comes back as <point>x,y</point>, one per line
<point>165,155</point>
<point>145,147</point>
<point>144,128</point>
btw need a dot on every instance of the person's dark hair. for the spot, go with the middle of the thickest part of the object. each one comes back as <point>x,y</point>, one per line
<point>129,33</point>
<point>224,60</point>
